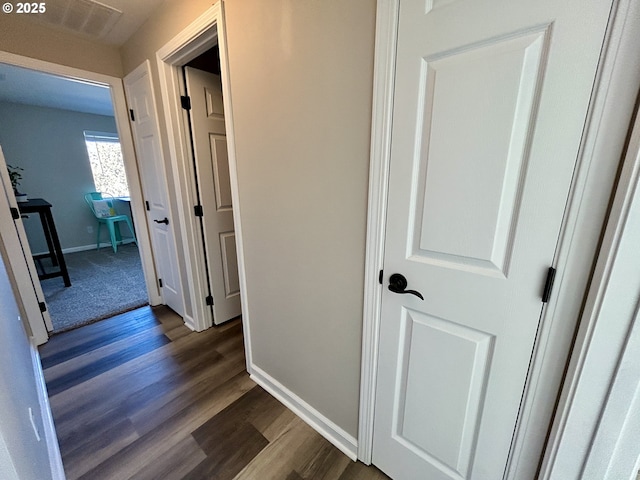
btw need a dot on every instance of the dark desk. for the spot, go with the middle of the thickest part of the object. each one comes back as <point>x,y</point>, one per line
<point>43,208</point>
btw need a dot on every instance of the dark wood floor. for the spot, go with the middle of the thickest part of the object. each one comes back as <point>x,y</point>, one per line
<point>141,396</point>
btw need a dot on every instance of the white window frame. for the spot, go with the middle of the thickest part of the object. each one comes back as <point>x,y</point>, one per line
<point>106,137</point>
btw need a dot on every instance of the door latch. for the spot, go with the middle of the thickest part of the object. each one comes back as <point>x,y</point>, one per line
<point>398,284</point>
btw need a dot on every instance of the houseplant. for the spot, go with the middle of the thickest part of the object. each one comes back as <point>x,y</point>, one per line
<point>15,176</point>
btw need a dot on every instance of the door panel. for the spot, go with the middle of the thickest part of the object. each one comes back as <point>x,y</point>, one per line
<point>489,105</point>
<point>214,185</point>
<point>229,264</point>
<point>472,223</point>
<point>446,396</point>
<point>164,241</point>
<point>154,186</point>
<point>221,179</point>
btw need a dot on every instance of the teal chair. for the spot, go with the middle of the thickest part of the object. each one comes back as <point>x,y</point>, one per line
<point>102,206</point>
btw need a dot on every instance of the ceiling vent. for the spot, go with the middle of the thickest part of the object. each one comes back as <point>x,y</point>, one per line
<point>86,17</point>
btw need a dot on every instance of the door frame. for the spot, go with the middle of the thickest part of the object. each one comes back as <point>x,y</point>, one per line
<point>15,258</point>
<point>610,110</point>
<point>121,116</point>
<point>597,427</point>
<point>195,39</point>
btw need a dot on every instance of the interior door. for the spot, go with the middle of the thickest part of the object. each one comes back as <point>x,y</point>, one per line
<point>489,105</point>
<point>14,246</point>
<point>214,186</point>
<point>154,185</point>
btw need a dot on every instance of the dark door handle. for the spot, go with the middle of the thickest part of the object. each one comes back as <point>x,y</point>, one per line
<point>398,284</point>
<point>165,221</point>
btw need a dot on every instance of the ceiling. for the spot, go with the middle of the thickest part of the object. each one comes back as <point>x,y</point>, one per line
<point>111,22</point>
<point>21,85</point>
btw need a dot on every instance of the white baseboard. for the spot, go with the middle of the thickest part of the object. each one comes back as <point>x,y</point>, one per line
<point>344,442</point>
<point>50,436</point>
<point>83,248</point>
<point>189,322</point>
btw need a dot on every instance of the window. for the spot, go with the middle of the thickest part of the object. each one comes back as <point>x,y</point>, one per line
<point>107,166</point>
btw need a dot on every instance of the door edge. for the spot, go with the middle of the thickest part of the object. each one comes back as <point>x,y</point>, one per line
<point>382,109</point>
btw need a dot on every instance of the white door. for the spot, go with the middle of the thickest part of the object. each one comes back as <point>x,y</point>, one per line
<point>214,186</point>
<point>18,259</point>
<point>490,101</point>
<point>146,138</point>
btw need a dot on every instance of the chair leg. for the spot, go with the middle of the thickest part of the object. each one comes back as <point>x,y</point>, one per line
<point>133,233</point>
<point>98,237</point>
<point>112,234</point>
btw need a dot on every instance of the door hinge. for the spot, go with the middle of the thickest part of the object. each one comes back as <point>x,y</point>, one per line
<point>160,282</point>
<point>185,101</point>
<point>209,300</point>
<point>15,214</point>
<point>146,204</point>
<point>133,117</point>
<point>197,209</point>
<point>380,276</point>
<point>548,284</point>
<point>43,307</point>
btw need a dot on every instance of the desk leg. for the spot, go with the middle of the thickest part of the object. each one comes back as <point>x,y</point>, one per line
<point>58,249</point>
<point>47,236</point>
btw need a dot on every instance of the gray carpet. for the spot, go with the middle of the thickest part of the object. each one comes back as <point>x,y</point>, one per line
<point>103,284</point>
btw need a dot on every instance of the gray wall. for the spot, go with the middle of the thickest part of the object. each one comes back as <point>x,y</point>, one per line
<point>301,84</point>
<point>21,455</point>
<point>49,144</point>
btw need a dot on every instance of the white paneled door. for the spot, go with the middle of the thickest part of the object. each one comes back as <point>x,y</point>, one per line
<point>490,100</point>
<point>214,187</point>
<point>146,137</point>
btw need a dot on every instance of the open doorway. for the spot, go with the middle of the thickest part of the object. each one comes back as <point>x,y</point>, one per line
<point>207,129</point>
<point>195,40</point>
<point>57,134</point>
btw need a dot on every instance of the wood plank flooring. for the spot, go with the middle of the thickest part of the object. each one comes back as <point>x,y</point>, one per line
<point>140,396</point>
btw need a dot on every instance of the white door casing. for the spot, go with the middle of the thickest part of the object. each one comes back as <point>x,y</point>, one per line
<point>26,249</point>
<point>473,220</point>
<point>19,262</point>
<point>214,186</point>
<point>139,92</point>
